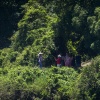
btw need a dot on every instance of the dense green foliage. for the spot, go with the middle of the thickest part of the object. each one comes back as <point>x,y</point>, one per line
<point>89,83</point>
<point>52,27</point>
<point>27,83</point>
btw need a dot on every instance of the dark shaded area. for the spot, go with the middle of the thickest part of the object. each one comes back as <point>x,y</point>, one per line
<point>10,14</point>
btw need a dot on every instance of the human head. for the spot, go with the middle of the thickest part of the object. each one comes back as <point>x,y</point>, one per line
<point>40,53</point>
<point>59,55</point>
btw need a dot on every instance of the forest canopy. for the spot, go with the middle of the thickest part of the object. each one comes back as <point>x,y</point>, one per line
<point>53,27</point>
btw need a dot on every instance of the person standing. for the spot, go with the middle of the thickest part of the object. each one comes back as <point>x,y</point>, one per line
<point>40,59</point>
<point>58,61</point>
<point>66,59</point>
<point>62,61</point>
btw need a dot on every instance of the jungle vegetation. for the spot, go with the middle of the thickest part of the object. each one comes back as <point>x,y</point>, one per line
<point>52,27</point>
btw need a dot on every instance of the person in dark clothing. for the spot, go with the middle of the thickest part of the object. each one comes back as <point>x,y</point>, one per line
<point>78,61</point>
<point>40,59</point>
<point>73,62</point>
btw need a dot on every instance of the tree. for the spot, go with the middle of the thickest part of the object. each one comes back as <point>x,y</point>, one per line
<point>10,15</point>
<point>94,23</point>
<point>35,33</point>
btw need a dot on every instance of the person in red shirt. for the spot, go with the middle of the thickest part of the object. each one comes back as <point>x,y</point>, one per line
<point>58,61</point>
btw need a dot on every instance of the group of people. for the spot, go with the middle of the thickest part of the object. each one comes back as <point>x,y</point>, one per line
<point>66,60</point>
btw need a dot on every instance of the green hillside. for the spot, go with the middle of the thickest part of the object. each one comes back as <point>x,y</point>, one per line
<point>52,27</point>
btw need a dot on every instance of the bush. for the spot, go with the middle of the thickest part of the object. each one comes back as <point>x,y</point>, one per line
<point>89,82</point>
<point>27,83</point>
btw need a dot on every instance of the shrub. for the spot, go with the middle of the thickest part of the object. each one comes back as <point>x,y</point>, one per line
<point>29,83</point>
<point>89,82</point>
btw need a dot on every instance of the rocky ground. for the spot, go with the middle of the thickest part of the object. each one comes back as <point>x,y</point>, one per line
<point>86,63</point>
